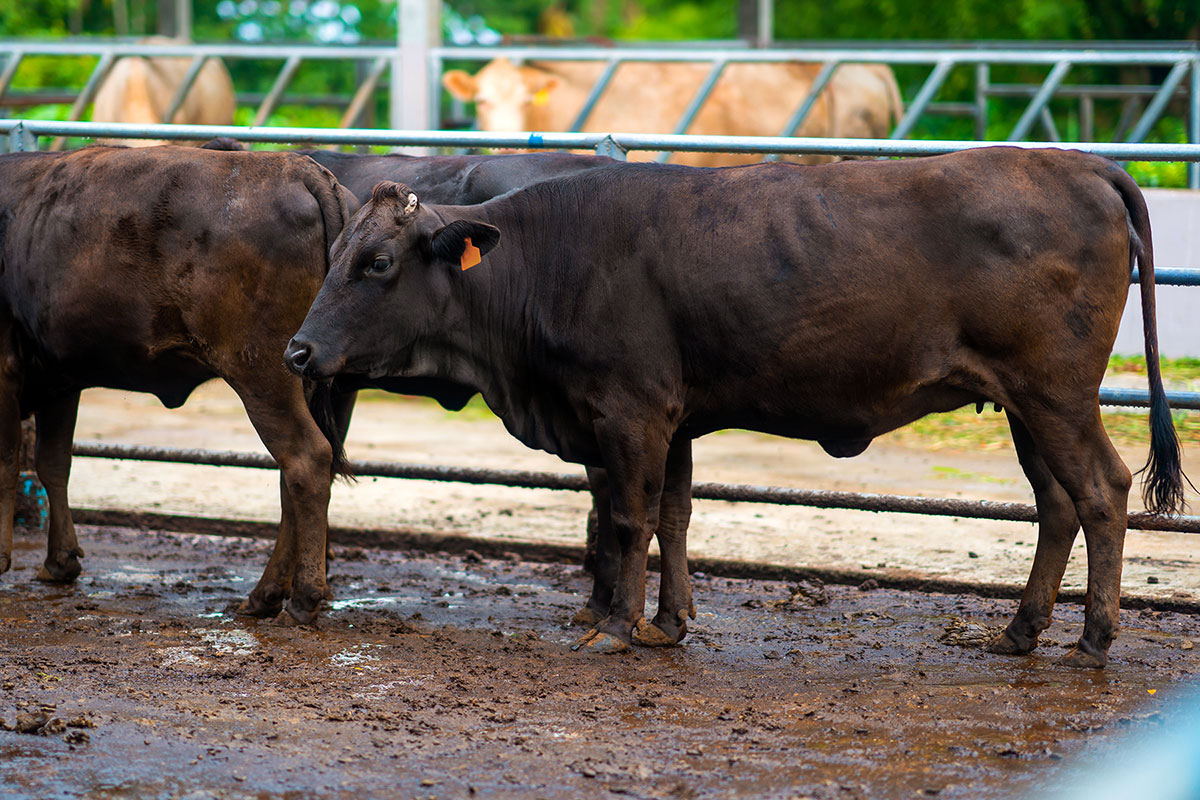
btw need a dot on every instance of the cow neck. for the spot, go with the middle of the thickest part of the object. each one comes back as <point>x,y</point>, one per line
<point>493,327</point>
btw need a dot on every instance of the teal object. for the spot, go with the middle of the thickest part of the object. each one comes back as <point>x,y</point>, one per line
<point>33,508</point>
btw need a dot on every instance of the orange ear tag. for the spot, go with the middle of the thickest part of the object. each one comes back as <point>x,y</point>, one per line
<point>470,256</point>
<point>541,97</point>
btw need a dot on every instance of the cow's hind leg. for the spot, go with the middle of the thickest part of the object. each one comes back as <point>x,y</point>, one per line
<point>606,552</point>
<point>10,449</point>
<point>675,607</point>
<point>1081,457</point>
<point>55,432</point>
<point>1057,526</point>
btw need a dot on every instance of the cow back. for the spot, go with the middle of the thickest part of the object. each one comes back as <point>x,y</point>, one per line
<point>154,269</point>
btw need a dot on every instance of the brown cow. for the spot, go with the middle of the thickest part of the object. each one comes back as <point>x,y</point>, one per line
<point>750,99</point>
<point>154,270</point>
<point>612,316</point>
<point>140,89</point>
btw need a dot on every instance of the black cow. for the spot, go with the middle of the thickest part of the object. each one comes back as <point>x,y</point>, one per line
<point>466,180</point>
<point>630,310</point>
<point>154,270</point>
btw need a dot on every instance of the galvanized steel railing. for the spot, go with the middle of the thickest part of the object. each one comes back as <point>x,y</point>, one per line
<point>24,131</point>
<point>1182,79</point>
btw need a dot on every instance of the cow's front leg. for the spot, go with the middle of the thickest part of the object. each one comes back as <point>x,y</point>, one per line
<point>10,450</point>
<point>636,464</point>
<point>277,408</point>
<point>675,607</point>
<point>55,432</point>
<point>275,585</point>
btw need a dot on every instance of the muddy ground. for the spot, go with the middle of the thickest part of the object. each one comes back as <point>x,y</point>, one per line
<point>446,674</point>
<point>449,676</point>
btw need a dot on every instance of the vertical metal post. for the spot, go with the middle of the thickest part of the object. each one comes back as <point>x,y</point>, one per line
<point>609,147</point>
<point>21,140</point>
<point>982,78</point>
<point>183,20</point>
<point>1087,117</point>
<point>412,99</point>
<point>766,23</point>
<point>1193,168</point>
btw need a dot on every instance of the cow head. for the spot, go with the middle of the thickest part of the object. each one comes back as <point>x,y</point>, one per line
<point>392,277</point>
<point>504,94</point>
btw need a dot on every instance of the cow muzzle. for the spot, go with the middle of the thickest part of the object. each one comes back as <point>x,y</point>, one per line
<point>303,359</point>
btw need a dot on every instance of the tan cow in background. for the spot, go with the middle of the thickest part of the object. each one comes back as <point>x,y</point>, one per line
<point>749,99</point>
<point>139,90</point>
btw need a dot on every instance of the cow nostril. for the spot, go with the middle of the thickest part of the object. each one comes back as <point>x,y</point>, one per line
<point>298,356</point>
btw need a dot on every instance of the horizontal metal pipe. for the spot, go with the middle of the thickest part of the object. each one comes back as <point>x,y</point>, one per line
<point>734,493</point>
<point>1140,398</point>
<point>588,141</point>
<point>1172,276</point>
<point>1083,54</point>
<point>1099,91</point>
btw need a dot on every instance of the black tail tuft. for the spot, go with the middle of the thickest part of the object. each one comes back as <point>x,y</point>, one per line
<point>321,406</point>
<point>1162,486</point>
<point>1162,489</point>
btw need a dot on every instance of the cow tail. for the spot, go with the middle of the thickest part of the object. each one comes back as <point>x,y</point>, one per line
<point>1162,484</point>
<point>334,216</point>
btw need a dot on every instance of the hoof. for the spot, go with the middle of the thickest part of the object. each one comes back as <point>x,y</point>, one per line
<point>653,636</point>
<point>328,595</point>
<point>300,615</point>
<point>1084,659</point>
<point>254,607</point>
<point>663,632</point>
<point>264,601</point>
<point>5,563</point>
<point>1005,645</point>
<point>585,617</point>
<point>64,569</point>
<point>596,642</point>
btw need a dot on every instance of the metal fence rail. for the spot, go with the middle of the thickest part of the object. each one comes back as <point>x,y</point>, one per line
<point>22,134</point>
<point>729,492</point>
<point>1179,63</point>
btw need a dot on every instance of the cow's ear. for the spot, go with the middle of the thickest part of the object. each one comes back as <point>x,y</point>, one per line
<point>538,82</point>
<point>461,85</point>
<point>449,242</point>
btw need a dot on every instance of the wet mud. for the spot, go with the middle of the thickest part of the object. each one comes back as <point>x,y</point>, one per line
<point>450,676</point>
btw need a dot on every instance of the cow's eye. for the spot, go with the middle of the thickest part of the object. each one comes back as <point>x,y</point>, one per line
<point>380,265</point>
